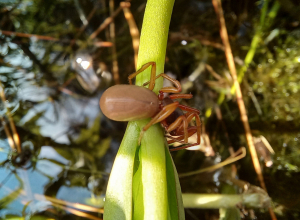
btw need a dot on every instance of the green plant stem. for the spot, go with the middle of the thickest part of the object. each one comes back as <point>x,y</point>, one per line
<point>147,173</point>
<point>216,201</point>
<point>154,177</point>
<point>118,200</point>
<point>152,48</point>
<point>257,38</point>
<point>154,37</point>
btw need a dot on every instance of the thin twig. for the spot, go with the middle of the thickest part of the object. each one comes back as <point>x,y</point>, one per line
<point>230,148</point>
<point>76,212</point>
<point>230,61</point>
<point>134,31</point>
<point>38,37</point>
<point>241,104</point>
<point>15,135</point>
<point>112,33</point>
<point>255,101</point>
<point>105,23</point>
<point>48,38</point>
<point>178,36</point>
<point>213,73</point>
<point>239,154</point>
<point>8,134</point>
<point>65,203</point>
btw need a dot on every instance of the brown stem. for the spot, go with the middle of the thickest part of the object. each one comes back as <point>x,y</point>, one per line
<point>43,37</point>
<point>105,23</point>
<point>230,61</point>
<point>178,36</point>
<point>76,212</point>
<point>14,136</point>
<point>18,34</point>
<point>80,206</point>
<point>230,148</point>
<point>134,31</point>
<point>8,134</point>
<point>115,68</point>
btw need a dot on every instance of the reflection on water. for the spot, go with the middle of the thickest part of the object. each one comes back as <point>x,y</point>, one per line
<point>59,116</point>
<point>50,174</point>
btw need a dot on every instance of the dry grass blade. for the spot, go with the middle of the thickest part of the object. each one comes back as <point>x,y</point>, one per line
<point>112,33</point>
<point>134,31</point>
<point>14,135</point>
<point>230,61</point>
<point>8,134</point>
<point>18,34</point>
<point>239,154</point>
<point>267,144</point>
<point>76,212</point>
<point>178,36</point>
<point>212,72</point>
<point>48,38</point>
<point>241,104</point>
<point>105,23</point>
<point>65,203</point>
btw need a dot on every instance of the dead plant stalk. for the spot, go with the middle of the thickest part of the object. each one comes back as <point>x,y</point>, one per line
<point>134,31</point>
<point>15,135</point>
<point>230,61</point>
<point>112,33</point>
<point>239,96</point>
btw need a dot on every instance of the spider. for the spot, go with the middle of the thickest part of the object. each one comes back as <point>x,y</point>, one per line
<point>130,103</point>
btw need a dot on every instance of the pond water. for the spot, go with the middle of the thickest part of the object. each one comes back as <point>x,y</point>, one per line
<point>54,69</point>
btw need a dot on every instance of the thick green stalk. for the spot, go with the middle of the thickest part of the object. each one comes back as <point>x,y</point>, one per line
<point>118,200</point>
<point>154,38</point>
<point>137,187</point>
<point>152,48</point>
<point>216,201</point>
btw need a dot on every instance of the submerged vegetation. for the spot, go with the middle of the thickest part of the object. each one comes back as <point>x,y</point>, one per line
<point>57,149</point>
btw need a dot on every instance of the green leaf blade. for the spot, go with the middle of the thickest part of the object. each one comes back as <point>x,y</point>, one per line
<point>118,201</point>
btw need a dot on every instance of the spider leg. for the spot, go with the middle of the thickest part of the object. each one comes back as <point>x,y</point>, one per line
<point>183,147</point>
<point>191,130</point>
<point>189,109</point>
<point>181,96</point>
<point>153,73</point>
<point>189,116</point>
<point>162,115</point>
<point>181,120</point>
<point>191,113</point>
<point>171,89</point>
